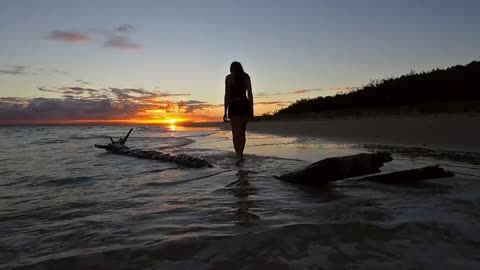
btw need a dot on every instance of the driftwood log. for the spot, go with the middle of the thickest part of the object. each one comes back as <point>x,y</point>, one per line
<point>118,147</point>
<point>320,172</point>
<point>409,176</point>
<point>337,168</point>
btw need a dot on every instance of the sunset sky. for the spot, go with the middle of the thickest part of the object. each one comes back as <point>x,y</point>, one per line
<point>159,61</point>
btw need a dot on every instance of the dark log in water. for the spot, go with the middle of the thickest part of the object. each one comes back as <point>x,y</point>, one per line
<point>320,172</point>
<point>118,147</point>
<point>338,168</point>
<point>180,159</point>
<point>409,176</point>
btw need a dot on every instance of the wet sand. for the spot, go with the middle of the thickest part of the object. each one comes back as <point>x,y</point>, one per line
<point>453,132</point>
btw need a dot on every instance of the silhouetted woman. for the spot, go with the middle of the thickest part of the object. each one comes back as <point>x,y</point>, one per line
<point>239,105</point>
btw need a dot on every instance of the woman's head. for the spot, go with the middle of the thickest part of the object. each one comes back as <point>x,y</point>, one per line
<point>236,68</point>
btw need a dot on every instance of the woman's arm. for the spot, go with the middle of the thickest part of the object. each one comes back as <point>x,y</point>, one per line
<point>249,93</point>
<point>226,97</point>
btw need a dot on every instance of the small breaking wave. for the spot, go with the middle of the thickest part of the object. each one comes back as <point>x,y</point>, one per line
<point>298,246</point>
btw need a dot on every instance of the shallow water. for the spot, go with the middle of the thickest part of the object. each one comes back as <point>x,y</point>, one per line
<point>67,205</point>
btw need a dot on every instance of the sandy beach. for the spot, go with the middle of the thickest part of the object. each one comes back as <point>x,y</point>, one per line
<point>454,132</point>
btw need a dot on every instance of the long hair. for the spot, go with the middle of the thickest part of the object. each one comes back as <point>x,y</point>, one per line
<point>237,69</point>
<point>239,74</point>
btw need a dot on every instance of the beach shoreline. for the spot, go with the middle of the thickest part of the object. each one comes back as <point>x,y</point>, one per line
<point>451,132</point>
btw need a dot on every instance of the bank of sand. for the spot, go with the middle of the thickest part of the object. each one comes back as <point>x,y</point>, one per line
<point>453,132</point>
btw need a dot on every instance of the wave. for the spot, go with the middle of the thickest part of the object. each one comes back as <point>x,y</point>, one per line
<point>61,181</point>
<point>296,246</point>
<point>416,152</point>
<point>77,208</point>
<point>88,137</point>
<point>47,142</point>
<point>182,181</point>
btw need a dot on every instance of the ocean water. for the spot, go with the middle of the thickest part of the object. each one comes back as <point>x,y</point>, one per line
<point>67,205</point>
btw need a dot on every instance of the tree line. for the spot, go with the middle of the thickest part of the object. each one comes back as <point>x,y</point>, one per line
<point>461,82</point>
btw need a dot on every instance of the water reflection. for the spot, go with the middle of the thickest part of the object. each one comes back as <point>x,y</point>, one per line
<point>242,189</point>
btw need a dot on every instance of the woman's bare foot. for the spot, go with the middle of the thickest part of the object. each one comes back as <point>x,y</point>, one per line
<point>240,160</point>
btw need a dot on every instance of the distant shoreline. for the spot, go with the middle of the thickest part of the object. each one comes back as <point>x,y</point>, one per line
<point>448,131</point>
<point>453,132</point>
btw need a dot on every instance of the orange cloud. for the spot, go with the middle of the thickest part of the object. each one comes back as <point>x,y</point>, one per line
<point>117,38</point>
<point>304,91</point>
<point>294,92</point>
<point>278,103</point>
<point>76,104</point>
<point>109,105</point>
<point>81,110</point>
<point>72,37</point>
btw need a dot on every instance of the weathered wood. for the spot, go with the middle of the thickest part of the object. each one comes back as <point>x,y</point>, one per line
<point>124,140</point>
<point>320,172</point>
<point>119,147</point>
<point>338,168</point>
<point>409,176</point>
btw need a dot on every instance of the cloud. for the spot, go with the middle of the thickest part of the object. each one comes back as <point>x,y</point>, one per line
<point>79,91</point>
<point>266,95</point>
<point>82,82</point>
<point>74,103</point>
<point>293,92</point>
<point>72,37</point>
<point>136,93</point>
<point>12,100</point>
<point>54,110</point>
<point>344,89</point>
<point>60,71</point>
<point>28,70</point>
<point>119,38</point>
<point>278,103</point>
<point>133,93</point>
<point>43,89</point>
<point>124,28</point>
<point>116,38</point>
<point>304,91</point>
<point>121,43</point>
<point>189,106</point>
<point>192,102</point>
<point>75,92</point>
<point>17,70</point>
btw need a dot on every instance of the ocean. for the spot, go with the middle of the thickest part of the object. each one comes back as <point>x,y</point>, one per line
<point>67,205</point>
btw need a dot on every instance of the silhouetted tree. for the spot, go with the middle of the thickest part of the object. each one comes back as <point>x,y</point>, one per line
<point>454,83</point>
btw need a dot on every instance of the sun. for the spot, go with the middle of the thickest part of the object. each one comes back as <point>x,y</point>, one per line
<point>172,126</point>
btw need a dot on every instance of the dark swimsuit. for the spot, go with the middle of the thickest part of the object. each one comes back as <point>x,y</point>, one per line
<point>239,105</point>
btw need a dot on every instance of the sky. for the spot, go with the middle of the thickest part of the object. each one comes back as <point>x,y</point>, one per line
<point>163,61</point>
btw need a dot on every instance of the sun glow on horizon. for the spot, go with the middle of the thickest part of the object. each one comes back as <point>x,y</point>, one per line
<point>151,121</point>
<point>168,118</point>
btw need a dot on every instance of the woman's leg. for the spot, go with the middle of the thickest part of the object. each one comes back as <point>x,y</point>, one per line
<point>239,126</point>
<point>242,137</point>
<point>236,123</point>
